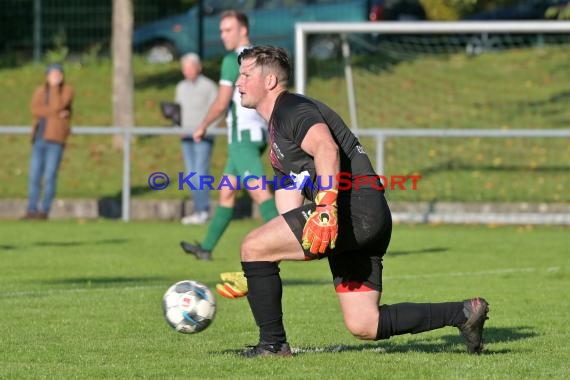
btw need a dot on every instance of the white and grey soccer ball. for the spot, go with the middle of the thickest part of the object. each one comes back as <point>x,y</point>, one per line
<point>189,306</point>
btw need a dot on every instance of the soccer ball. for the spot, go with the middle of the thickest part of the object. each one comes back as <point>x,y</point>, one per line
<point>189,306</point>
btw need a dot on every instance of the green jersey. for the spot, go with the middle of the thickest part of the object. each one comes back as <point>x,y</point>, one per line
<point>244,124</point>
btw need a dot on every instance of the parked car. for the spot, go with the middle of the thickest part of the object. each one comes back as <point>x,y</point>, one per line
<point>525,10</point>
<point>392,10</point>
<point>396,10</point>
<point>271,22</point>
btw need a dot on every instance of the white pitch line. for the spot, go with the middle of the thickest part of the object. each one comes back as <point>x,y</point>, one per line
<point>340,348</point>
<point>494,272</point>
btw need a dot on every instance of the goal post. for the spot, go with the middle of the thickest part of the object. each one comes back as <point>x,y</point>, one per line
<point>342,29</point>
<point>480,109</point>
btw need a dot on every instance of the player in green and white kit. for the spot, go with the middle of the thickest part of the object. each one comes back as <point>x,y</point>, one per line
<point>247,131</point>
<point>247,139</point>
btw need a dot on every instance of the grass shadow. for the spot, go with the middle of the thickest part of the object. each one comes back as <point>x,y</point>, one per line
<point>417,251</point>
<point>499,334</point>
<point>559,100</point>
<point>453,164</point>
<point>110,207</point>
<point>105,280</point>
<point>445,344</point>
<point>160,80</point>
<point>7,247</point>
<point>302,282</point>
<point>170,77</point>
<point>80,243</point>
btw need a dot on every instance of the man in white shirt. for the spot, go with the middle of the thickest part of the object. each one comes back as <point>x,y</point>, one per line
<point>195,94</point>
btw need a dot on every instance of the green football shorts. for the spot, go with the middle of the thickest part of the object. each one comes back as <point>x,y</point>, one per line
<point>244,159</point>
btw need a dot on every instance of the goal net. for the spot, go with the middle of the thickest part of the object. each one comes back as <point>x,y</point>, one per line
<point>473,77</point>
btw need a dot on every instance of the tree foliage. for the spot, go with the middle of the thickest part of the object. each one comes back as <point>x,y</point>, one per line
<point>449,10</point>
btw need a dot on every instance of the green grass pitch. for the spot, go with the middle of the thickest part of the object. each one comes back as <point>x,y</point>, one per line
<point>83,300</point>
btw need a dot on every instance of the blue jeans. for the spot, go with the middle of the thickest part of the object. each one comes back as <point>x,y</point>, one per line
<point>197,159</point>
<point>46,157</point>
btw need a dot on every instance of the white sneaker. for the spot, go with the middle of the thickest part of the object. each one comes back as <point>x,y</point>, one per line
<point>195,218</point>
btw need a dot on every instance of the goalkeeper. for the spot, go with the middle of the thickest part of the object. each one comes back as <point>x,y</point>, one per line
<point>349,225</point>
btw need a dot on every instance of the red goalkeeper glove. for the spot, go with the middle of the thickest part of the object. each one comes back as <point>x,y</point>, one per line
<point>321,229</point>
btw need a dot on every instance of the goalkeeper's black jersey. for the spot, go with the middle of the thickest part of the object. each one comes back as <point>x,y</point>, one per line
<point>292,117</point>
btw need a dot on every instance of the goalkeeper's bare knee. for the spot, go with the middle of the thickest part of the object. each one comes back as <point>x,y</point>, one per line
<point>360,330</point>
<point>250,249</point>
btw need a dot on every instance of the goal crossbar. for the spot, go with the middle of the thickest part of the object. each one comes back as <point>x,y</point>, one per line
<point>410,27</point>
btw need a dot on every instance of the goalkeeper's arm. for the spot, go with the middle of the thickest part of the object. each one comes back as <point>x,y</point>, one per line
<point>319,143</point>
<point>321,228</point>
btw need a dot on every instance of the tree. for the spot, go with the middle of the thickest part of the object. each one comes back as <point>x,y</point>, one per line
<point>122,35</point>
<point>558,12</point>
<point>457,9</point>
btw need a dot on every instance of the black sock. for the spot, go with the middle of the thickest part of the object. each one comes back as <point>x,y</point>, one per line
<point>413,318</point>
<point>264,297</point>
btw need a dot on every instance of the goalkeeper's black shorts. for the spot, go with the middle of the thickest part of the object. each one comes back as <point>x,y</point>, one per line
<point>364,230</point>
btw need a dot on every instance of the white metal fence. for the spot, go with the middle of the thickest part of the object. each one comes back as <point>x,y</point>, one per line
<point>379,135</point>
<point>127,133</point>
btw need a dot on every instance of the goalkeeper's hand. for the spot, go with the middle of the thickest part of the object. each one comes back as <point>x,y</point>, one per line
<point>321,229</point>
<point>234,285</point>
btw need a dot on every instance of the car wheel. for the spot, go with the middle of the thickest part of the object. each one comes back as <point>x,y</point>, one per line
<point>161,52</point>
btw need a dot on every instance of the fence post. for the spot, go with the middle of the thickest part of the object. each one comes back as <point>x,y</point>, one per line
<point>37,30</point>
<point>126,196</point>
<point>380,139</point>
<point>349,84</point>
